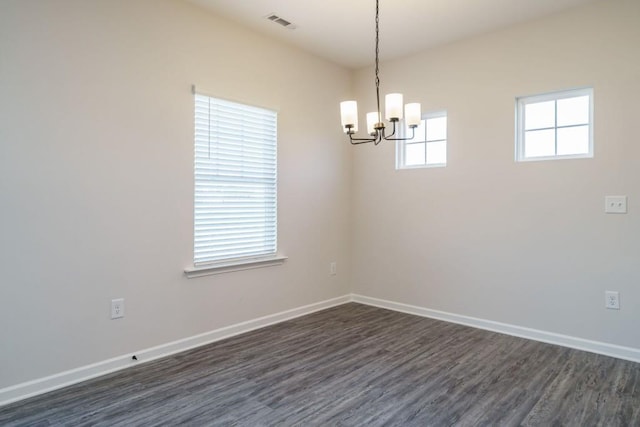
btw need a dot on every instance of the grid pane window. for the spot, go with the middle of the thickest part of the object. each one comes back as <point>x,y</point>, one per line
<point>429,145</point>
<point>556,125</point>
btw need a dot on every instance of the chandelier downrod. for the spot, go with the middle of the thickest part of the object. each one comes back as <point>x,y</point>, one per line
<point>379,123</point>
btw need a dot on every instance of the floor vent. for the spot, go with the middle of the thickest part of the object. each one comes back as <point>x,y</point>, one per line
<point>278,20</point>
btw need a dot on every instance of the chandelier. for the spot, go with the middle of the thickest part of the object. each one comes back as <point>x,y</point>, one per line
<point>393,110</point>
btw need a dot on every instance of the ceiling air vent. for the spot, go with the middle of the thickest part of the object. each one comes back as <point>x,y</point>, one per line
<point>278,20</point>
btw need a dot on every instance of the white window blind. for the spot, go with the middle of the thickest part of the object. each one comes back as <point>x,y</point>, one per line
<point>235,213</point>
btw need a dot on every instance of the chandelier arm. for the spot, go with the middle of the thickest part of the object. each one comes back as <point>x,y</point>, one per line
<point>393,132</point>
<point>356,141</point>
<point>389,138</point>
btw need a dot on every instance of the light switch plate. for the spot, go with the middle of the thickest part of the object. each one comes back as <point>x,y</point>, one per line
<point>615,204</point>
<point>332,268</point>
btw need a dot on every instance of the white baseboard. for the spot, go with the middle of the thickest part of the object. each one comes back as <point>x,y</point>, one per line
<point>63,379</point>
<point>620,352</point>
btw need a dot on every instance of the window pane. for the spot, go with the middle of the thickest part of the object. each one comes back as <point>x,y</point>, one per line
<point>414,154</point>
<point>436,153</point>
<point>540,115</point>
<point>573,140</point>
<point>436,129</point>
<point>573,111</point>
<point>419,135</point>
<point>539,143</point>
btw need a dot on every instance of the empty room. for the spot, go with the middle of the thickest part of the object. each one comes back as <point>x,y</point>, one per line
<point>319,213</point>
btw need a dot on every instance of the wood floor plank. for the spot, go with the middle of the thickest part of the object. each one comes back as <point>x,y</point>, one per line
<point>354,365</point>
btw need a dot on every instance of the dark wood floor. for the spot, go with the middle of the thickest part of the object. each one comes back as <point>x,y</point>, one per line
<point>354,365</point>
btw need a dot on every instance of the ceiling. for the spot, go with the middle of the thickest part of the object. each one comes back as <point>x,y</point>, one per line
<point>343,31</point>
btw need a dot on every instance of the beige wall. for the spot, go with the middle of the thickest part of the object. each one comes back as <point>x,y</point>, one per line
<point>96,178</point>
<point>526,244</point>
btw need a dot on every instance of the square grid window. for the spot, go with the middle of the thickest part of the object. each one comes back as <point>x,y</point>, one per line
<point>235,211</point>
<point>428,148</point>
<point>555,125</point>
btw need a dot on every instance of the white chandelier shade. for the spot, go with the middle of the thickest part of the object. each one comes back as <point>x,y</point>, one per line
<point>349,114</point>
<point>393,112</point>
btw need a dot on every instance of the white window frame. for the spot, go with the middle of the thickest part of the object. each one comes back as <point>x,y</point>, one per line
<point>521,103</point>
<point>235,192</point>
<point>401,145</point>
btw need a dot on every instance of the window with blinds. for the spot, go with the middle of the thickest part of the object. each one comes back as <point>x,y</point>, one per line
<point>235,215</point>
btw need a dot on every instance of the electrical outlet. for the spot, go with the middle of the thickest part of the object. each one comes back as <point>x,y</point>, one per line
<point>612,300</point>
<point>332,268</point>
<point>615,204</point>
<point>117,308</point>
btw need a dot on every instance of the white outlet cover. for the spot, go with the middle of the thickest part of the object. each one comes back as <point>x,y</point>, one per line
<point>117,308</point>
<point>615,204</point>
<point>612,300</point>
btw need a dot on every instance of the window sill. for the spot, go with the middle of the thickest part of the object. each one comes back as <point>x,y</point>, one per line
<point>425,166</point>
<point>558,157</point>
<point>238,265</point>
